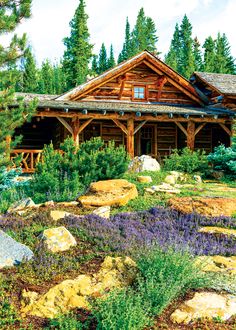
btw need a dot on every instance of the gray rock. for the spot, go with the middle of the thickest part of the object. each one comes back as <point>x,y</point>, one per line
<point>144,163</point>
<point>11,252</point>
<point>21,205</point>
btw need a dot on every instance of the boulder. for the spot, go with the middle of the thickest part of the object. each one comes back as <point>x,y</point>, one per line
<point>58,215</point>
<point>175,176</point>
<point>103,211</point>
<point>144,179</point>
<point>164,187</point>
<point>68,204</point>
<point>197,178</point>
<point>49,204</point>
<point>11,252</point>
<point>144,163</point>
<point>204,205</point>
<point>69,294</point>
<point>205,305</point>
<point>218,264</point>
<point>218,230</point>
<point>109,192</point>
<point>21,205</point>
<point>58,239</point>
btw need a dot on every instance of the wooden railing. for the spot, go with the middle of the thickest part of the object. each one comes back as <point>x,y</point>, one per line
<point>29,159</point>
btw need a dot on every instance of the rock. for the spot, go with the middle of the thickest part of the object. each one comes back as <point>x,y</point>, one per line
<point>144,179</point>
<point>207,305</point>
<point>217,174</point>
<point>204,205</point>
<point>197,178</point>
<point>218,230</point>
<point>217,264</point>
<point>57,215</point>
<point>49,204</point>
<point>68,204</point>
<point>103,211</point>
<point>164,187</point>
<point>58,239</point>
<point>109,192</point>
<point>21,205</point>
<point>11,252</point>
<point>144,163</point>
<point>69,294</point>
<point>175,176</point>
<point>171,179</point>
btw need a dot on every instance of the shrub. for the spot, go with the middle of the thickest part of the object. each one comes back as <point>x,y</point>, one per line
<point>63,175</point>
<point>166,274</point>
<point>122,310</point>
<point>186,161</point>
<point>224,159</point>
<point>67,322</point>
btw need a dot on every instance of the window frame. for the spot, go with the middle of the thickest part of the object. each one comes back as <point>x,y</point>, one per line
<point>144,93</point>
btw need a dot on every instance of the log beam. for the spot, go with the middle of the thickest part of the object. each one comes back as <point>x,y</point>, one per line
<point>130,137</point>
<point>200,127</point>
<point>84,125</point>
<point>139,126</point>
<point>160,85</point>
<point>182,128</point>
<point>65,124</point>
<point>76,128</point>
<point>120,125</point>
<point>226,129</point>
<point>191,135</point>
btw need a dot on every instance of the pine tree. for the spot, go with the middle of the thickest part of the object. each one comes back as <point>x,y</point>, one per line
<point>151,35</point>
<point>30,75</point>
<point>46,78</point>
<point>102,60</point>
<point>186,65</point>
<point>95,65</point>
<point>111,60</point>
<point>11,12</point>
<point>58,79</point>
<point>78,51</point>
<point>224,62</point>
<point>139,32</point>
<point>198,63</point>
<point>172,57</point>
<point>209,55</point>
<point>126,50</point>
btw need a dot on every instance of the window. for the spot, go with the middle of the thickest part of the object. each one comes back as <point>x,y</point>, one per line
<point>139,93</point>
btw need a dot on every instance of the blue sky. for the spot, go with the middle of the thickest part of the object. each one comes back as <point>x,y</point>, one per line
<point>50,22</point>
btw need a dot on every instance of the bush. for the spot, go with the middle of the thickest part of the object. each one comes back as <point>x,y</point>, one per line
<point>63,175</point>
<point>224,159</point>
<point>67,322</point>
<point>165,275</point>
<point>187,161</point>
<point>122,310</point>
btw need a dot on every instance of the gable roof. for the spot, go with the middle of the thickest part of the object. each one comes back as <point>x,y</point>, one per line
<point>144,57</point>
<point>222,83</point>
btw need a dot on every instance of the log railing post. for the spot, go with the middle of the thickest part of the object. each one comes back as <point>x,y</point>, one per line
<point>191,135</point>
<point>76,129</point>
<point>130,137</point>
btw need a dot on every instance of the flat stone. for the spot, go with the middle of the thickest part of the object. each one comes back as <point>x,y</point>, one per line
<point>144,163</point>
<point>205,305</point>
<point>207,206</point>
<point>218,264</point>
<point>58,215</point>
<point>58,239</point>
<point>21,205</point>
<point>164,187</point>
<point>68,204</point>
<point>144,179</point>
<point>103,211</point>
<point>116,192</point>
<point>11,252</point>
<point>49,204</point>
<point>218,230</point>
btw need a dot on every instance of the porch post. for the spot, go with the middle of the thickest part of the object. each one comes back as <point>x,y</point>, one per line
<point>190,135</point>
<point>130,137</point>
<point>76,130</point>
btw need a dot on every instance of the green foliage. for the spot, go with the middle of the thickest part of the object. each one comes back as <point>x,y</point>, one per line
<point>78,51</point>
<point>224,159</point>
<point>8,313</point>
<point>30,74</point>
<point>165,275</point>
<point>63,175</point>
<point>111,60</point>
<point>68,322</point>
<point>102,60</point>
<point>122,310</point>
<point>187,161</point>
<point>198,63</point>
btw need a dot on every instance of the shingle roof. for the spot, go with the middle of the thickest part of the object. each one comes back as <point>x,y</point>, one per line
<point>51,101</point>
<point>224,83</point>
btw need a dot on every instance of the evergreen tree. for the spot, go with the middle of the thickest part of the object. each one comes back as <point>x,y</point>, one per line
<point>198,64</point>
<point>58,79</point>
<point>11,13</point>
<point>209,55</point>
<point>102,60</point>
<point>30,79</point>
<point>111,60</point>
<point>46,78</point>
<point>224,62</point>
<point>78,51</point>
<point>172,57</point>
<point>126,50</point>
<point>95,65</point>
<point>151,35</point>
<point>139,32</point>
<point>186,60</point>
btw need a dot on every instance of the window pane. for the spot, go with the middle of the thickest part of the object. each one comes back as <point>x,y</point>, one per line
<point>139,92</point>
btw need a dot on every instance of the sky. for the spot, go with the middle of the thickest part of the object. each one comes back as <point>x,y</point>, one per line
<point>50,19</point>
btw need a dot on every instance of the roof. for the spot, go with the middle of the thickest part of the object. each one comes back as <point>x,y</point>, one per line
<point>223,83</point>
<point>52,102</point>
<point>144,57</point>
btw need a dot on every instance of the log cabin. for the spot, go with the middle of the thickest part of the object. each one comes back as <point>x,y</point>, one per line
<point>141,103</point>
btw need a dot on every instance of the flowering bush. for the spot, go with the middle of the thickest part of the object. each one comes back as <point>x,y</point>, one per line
<point>165,227</point>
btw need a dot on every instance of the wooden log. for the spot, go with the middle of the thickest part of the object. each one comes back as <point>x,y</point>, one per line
<point>139,126</point>
<point>130,137</point>
<point>182,128</point>
<point>226,129</point>
<point>200,127</point>
<point>76,127</point>
<point>120,125</point>
<point>190,135</point>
